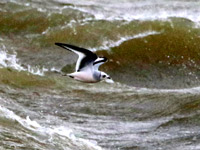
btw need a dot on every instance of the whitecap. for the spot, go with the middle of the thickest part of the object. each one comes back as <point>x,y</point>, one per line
<point>10,60</point>
<point>48,131</point>
<point>111,43</point>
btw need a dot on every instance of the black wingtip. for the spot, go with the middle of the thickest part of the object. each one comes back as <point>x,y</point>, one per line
<point>59,44</point>
<point>63,45</point>
<point>66,46</point>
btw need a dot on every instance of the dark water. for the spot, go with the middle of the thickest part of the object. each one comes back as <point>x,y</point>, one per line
<point>153,51</point>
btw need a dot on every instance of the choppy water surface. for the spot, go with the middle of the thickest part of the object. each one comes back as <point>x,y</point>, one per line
<point>153,49</point>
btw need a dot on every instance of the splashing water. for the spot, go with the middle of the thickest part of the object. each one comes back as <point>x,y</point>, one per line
<point>154,101</point>
<point>11,61</point>
<point>49,132</point>
<point>109,44</point>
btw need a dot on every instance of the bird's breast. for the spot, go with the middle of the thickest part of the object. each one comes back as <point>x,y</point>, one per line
<point>84,77</point>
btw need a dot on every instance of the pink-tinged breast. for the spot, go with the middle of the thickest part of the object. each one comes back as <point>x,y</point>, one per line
<point>84,77</point>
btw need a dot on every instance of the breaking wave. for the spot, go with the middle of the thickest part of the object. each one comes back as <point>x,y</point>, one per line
<point>49,133</point>
<point>11,61</point>
<point>153,52</point>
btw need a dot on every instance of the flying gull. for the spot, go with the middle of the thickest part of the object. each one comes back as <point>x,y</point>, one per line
<point>87,65</point>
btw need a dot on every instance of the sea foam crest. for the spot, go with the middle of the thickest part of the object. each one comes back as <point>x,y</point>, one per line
<point>110,43</point>
<point>11,60</point>
<point>36,127</point>
<point>137,10</point>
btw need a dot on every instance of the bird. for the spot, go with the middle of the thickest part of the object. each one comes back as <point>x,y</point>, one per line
<point>87,65</point>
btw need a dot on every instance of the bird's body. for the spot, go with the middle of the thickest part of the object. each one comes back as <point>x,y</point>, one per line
<point>86,76</point>
<point>87,65</point>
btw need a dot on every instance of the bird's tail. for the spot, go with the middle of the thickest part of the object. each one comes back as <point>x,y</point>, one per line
<point>70,75</point>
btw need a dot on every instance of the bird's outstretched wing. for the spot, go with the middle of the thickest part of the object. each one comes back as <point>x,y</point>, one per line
<point>99,61</point>
<point>85,57</point>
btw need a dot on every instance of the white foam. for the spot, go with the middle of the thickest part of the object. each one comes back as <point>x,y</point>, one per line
<point>137,10</point>
<point>193,90</point>
<point>36,70</point>
<point>25,122</point>
<point>36,127</point>
<point>110,43</point>
<point>11,61</point>
<point>53,69</point>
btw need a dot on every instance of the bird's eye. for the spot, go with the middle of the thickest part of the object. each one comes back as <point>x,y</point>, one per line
<point>104,76</point>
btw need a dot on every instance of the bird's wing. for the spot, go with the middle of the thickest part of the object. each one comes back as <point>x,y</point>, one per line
<point>85,57</point>
<point>99,61</point>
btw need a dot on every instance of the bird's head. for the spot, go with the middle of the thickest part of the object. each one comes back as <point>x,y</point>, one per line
<point>106,77</point>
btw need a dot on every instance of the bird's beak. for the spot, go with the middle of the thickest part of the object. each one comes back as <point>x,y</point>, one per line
<point>109,80</point>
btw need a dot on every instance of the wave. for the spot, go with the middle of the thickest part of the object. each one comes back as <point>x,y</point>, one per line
<point>11,61</point>
<point>110,44</point>
<point>49,133</point>
<point>153,53</point>
<point>137,10</point>
<point>113,11</point>
<point>158,59</point>
<point>121,88</point>
<point>141,53</point>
